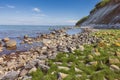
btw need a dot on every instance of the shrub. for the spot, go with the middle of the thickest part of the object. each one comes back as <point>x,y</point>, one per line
<point>81,20</point>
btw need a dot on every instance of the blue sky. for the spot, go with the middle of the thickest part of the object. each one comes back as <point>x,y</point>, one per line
<point>44,12</point>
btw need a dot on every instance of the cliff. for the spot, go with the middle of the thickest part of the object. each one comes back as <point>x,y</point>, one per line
<point>106,14</point>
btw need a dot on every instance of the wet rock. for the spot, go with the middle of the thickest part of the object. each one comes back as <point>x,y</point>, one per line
<point>26,36</point>
<point>114,67</point>
<point>11,44</point>
<point>6,39</point>
<point>12,75</point>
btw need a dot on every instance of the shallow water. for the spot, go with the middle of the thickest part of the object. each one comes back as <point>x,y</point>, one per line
<point>17,32</point>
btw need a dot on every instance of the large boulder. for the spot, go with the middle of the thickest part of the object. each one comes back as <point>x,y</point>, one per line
<point>11,44</point>
<point>6,39</point>
<point>12,75</point>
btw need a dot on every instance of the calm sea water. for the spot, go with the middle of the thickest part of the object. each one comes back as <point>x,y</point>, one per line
<point>15,31</point>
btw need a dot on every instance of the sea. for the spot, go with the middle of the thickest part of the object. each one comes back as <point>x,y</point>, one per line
<point>16,32</point>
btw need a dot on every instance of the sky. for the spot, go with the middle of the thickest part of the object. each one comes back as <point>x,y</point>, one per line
<point>44,12</point>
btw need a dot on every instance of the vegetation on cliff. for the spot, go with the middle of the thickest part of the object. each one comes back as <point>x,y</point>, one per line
<point>97,6</point>
<point>82,20</point>
<point>100,5</point>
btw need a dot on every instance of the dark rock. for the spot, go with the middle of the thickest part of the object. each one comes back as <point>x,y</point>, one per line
<point>44,67</point>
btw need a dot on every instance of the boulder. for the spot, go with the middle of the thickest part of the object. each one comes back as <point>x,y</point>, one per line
<point>23,72</point>
<point>12,75</point>
<point>63,68</point>
<point>114,67</point>
<point>81,48</point>
<point>113,61</point>
<point>32,70</point>
<point>6,39</point>
<point>25,36</point>
<point>44,67</point>
<point>46,41</point>
<point>61,76</point>
<point>11,44</point>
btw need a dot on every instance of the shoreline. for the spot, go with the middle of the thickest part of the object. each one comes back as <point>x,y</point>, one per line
<point>21,65</point>
<point>53,43</point>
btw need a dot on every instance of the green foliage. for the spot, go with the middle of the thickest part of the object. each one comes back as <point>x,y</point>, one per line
<point>38,75</point>
<point>100,5</point>
<point>81,20</point>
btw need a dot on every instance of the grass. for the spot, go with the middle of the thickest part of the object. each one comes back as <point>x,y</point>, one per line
<point>79,59</point>
<point>82,20</point>
<point>99,5</point>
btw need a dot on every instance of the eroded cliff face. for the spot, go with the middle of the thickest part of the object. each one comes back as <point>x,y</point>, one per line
<point>107,15</point>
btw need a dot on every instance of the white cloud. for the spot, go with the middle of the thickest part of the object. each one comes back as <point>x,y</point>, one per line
<point>36,9</point>
<point>10,6</point>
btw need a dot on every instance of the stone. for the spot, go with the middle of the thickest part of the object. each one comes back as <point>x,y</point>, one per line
<point>1,49</point>
<point>42,57</point>
<point>64,68</point>
<point>94,63</point>
<point>46,41</point>
<point>0,43</point>
<point>113,61</point>
<point>81,48</point>
<point>12,75</point>
<point>44,47</point>
<point>6,39</point>
<point>61,76</point>
<point>30,65</point>
<point>32,70</point>
<point>114,67</point>
<point>117,54</point>
<point>11,44</point>
<point>27,78</point>
<point>97,53</point>
<point>1,60</point>
<point>43,67</point>
<point>26,36</point>
<point>90,57</point>
<point>23,72</point>
<point>78,70</point>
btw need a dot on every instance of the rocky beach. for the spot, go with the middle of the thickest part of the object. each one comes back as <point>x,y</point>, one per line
<point>18,64</point>
<point>88,50</point>
<point>55,46</point>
